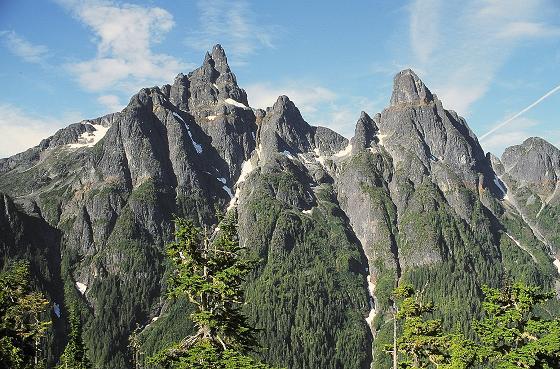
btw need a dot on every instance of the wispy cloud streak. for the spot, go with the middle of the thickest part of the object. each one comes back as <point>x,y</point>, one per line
<point>236,29</point>
<point>22,48</point>
<point>517,115</point>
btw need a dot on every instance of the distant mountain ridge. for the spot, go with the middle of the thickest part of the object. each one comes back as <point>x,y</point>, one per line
<point>336,222</point>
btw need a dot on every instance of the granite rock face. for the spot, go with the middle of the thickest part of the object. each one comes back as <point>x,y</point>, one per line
<point>336,222</point>
<point>530,174</point>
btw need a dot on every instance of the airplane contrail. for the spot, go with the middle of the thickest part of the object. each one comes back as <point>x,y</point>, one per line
<point>555,89</point>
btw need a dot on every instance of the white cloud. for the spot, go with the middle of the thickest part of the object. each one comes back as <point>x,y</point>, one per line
<point>111,102</point>
<point>462,45</point>
<point>21,130</point>
<point>318,104</point>
<point>518,131</point>
<point>232,24</point>
<point>125,35</point>
<point>424,28</point>
<point>307,98</point>
<point>528,29</point>
<point>22,48</point>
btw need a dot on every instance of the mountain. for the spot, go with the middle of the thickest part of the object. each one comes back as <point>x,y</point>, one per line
<point>335,222</point>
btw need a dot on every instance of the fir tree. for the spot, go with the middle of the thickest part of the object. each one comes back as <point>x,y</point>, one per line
<point>74,355</point>
<point>511,335</point>
<point>209,272</point>
<point>422,342</point>
<point>21,325</point>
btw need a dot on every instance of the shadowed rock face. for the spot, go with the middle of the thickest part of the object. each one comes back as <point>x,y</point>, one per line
<point>410,197</point>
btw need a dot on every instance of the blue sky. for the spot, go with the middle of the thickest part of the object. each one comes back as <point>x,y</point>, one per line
<point>62,61</point>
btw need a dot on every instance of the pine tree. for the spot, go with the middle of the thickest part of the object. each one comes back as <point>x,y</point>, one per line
<point>422,342</point>
<point>21,325</point>
<point>74,355</point>
<point>511,335</point>
<point>209,272</point>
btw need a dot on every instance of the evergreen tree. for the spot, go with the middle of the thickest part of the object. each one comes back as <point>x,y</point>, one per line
<point>511,335</point>
<point>422,342</point>
<point>21,325</point>
<point>209,272</point>
<point>74,355</point>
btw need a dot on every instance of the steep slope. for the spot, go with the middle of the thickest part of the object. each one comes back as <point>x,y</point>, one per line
<point>425,203</point>
<point>530,173</point>
<point>112,186</point>
<point>336,223</point>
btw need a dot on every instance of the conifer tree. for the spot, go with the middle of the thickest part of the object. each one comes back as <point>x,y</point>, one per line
<point>209,272</point>
<point>74,355</point>
<point>21,325</point>
<point>511,335</point>
<point>422,342</point>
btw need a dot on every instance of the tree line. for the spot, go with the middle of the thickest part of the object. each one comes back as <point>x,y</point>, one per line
<point>510,334</point>
<point>209,269</point>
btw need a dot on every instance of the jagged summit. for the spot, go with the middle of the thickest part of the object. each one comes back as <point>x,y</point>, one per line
<point>408,88</point>
<point>365,131</point>
<point>211,83</point>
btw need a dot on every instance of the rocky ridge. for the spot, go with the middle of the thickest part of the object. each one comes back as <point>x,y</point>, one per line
<point>337,222</point>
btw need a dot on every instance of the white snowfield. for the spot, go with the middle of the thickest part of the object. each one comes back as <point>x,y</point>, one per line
<point>211,117</point>
<point>236,103</point>
<point>196,145</point>
<point>89,139</point>
<point>81,287</point>
<point>500,186</point>
<point>381,137</point>
<point>246,168</point>
<point>372,312</point>
<point>347,150</point>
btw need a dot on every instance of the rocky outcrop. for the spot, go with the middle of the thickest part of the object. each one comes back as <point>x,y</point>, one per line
<point>337,223</point>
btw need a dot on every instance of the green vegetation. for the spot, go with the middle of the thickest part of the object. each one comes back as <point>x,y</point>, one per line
<point>22,323</point>
<point>510,335</point>
<point>209,273</point>
<point>74,355</point>
<point>308,296</point>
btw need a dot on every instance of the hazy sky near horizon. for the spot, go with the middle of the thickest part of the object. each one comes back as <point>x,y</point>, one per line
<point>63,61</point>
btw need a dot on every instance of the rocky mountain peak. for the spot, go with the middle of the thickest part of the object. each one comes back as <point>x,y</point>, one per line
<point>409,89</point>
<point>219,58</point>
<point>211,83</point>
<point>534,162</point>
<point>365,131</point>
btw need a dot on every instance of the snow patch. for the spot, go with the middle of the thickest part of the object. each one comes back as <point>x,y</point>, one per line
<point>56,309</point>
<point>228,190</point>
<point>222,179</point>
<point>155,318</point>
<point>211,117</point>
<point>347,150</point>
<point>321,159</point>
<point>500,186</point>
<point>246,168</point>
<point>196,145</point>
<point>308,211</point>
<point>215,85</point>
<point>81,287</point>
<point>236,103</point>
<point>89,139</point>
<point>179,117</point>
<point>288,154</point>
<point>521,247</point>
<point>372,312</point>
<point>381,138</point>
<point>556,263</point>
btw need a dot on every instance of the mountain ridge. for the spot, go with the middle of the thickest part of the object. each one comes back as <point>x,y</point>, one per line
<point>337,222</point>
